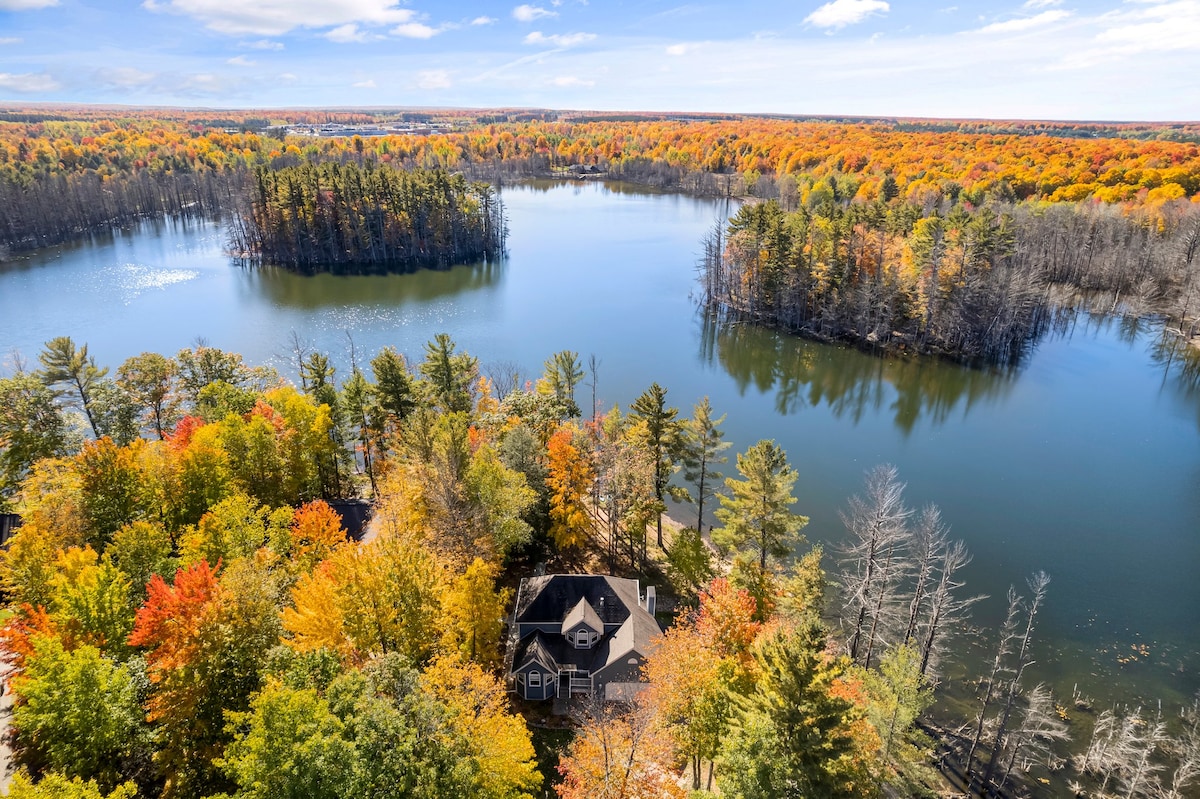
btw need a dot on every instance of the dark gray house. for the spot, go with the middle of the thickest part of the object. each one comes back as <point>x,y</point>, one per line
<point>580,634</point>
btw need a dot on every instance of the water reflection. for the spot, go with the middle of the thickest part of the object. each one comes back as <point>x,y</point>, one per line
<point>1179,360</point>
<point>313,292</point>
<point>582,185</point>
<point>150,239</point>
<point>852,384</point>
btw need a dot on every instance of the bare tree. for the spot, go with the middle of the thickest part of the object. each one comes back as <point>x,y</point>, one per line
<point>926,546</point>
<point>1186,749</point>
<point>945,607</point>
<point>1032,741</point>
<point>1037,585</point>
<point>1122,754</point>
<point>300,349</point>
<point>1008,634</point>
<point>505,377</point>
<point>1140,776</point>
<point>877,526</point>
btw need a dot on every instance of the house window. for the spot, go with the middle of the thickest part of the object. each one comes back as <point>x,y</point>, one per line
<point>535,679</point>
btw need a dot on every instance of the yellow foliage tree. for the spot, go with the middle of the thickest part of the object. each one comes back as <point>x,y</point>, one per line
<point>497,738</point>
<point>370,600</point>
<point>474,614</point>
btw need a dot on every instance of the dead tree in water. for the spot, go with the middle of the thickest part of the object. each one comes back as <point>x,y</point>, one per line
<point>876,523</point>
<point>1037,584</point>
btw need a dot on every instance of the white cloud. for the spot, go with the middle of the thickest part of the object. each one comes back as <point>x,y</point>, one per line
<point>434,79</point>
<point>483,21</point>
<point>528,13</point>
<point>263,44</point>
<point>11,40</point>
<point>28,82</point>
<point>25,5</point>
<point>125,77</point>
<point>1042,3</point>
<point>840,13</point>
<point>1025,23</point>
<point>563,40</point>
<point>287,76</point>
<point>678,49</point>
<point>1158,27</point>
<point>346,34</point>
<point>202,79</point>
<point>241,61</point>
<point>415,30</point>
<point>570,81</point>
<point>276,17</point>
<point>365,84</point>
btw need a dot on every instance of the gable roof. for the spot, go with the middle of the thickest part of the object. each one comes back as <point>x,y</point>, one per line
<point>536,649</point>
<point>548,599</point>
<point>566,600</point>
<point>582,613</point>
<point>635,636</point>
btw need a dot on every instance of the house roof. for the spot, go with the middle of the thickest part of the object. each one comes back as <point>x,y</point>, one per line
<point>636,635</point>
<point>582,613</point>
<point>536,648</point>
<point>354,515</point>
<point>575,598</point>
<point>550,598</point>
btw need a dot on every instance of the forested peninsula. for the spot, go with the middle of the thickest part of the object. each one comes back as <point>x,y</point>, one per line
<point>186,617</point>
<point>974,284</point>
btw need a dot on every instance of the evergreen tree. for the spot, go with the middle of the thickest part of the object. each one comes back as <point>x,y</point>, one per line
<point>793,735</point>
<point>450,375</point>
<point>757,517</point>
<point>72,374</point>
<point>701,453</point>
<point>563,372</point>
<point>662,439</point>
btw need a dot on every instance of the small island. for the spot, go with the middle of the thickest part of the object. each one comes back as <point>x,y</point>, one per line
<point>355,219</point>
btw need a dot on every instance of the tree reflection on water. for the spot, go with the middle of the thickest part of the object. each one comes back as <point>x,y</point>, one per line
<point>852,384</point>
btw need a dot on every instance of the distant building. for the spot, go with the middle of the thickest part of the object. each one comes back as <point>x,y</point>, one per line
<point>9,522</point>
<point>354,514</point>
<point>580,634</point>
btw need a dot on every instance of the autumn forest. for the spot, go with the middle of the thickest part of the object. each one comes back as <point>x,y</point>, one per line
<point>192,612</point>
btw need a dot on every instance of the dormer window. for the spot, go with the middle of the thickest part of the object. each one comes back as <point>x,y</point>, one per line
<point>582,626</point>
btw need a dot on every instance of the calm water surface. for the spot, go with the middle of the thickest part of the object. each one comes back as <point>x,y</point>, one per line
<point>1085,462</point>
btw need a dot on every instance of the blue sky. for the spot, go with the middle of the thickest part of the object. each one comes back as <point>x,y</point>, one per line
<point>1046,59</point>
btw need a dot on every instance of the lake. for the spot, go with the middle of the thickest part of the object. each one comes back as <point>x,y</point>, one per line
<point>1084,462</point>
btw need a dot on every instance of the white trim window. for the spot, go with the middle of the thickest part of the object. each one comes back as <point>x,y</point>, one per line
<point>535,679</point>
<point>584,638</point>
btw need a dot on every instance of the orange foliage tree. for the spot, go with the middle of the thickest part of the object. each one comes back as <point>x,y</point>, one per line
<point>570,478</point>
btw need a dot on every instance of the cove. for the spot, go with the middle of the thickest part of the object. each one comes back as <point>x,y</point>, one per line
<point>1084,461</point>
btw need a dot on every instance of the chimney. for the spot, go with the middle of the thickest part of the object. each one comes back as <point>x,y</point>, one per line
<point>650,599</point>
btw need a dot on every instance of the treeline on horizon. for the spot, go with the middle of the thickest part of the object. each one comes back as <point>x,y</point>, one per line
<point>185,618</point>
<point>350,218</point>
<point>973,283</point>
<point>81,171</point>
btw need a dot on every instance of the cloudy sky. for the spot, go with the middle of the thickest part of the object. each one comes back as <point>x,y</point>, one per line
<point>1048,59</point>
